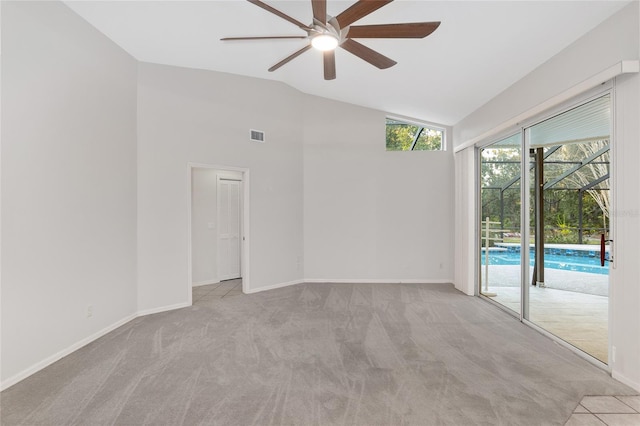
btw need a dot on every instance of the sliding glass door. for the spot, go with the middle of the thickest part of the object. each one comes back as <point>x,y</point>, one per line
<point>569,213</point>
<point>553,177</point>
<point>500,212</point>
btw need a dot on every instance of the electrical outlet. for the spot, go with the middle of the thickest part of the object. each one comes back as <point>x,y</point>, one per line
<point>89,311</point>
<point>441,265</point>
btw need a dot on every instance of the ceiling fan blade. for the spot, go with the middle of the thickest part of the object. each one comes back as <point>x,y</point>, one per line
<point>329,58</point>
<point>359,10</point>
<point>262,38</point>
<point>320,10</point>
<point>408,30</point>
<point>289,58</point>
<point>363,52</point>
<point>280,14</point>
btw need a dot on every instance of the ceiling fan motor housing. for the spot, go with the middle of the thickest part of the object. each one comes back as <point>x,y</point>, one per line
<point>326,36</point>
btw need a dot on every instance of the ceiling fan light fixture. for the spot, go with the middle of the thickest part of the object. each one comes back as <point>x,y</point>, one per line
<point>324,42</point>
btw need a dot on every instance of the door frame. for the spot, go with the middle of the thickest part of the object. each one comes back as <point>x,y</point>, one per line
<point>607,87</point>
<point>244,229</point>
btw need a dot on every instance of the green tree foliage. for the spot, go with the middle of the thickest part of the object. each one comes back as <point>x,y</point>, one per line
<point>500,169</point>
<point>429,140</point>
<point>499,173</point>
<point>400,137</point>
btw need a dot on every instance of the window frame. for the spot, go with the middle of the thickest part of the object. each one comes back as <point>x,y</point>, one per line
<point>422,126</point>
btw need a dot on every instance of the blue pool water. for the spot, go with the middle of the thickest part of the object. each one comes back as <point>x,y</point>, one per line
<point>590,264</point>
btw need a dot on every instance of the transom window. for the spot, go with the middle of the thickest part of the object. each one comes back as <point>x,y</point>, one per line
<point>403,136</point>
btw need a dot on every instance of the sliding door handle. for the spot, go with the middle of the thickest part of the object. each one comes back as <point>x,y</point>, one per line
<point>602,248</point>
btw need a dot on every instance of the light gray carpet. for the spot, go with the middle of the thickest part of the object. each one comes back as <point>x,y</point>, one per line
<point>316,354</point>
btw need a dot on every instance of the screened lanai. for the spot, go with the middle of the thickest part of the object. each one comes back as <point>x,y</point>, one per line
<point>568,172</point>
<point>571,159</point>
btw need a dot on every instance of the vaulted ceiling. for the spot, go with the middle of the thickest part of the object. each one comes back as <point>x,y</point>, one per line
<point>480,49</point>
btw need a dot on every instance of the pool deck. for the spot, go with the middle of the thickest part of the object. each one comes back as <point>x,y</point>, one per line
<point>578,282</point>
<point>572,306</point>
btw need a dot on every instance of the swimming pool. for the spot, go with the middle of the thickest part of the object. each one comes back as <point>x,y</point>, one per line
<point>590,264</point>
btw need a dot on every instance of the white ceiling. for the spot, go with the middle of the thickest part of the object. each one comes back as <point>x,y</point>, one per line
<point>480,49</point>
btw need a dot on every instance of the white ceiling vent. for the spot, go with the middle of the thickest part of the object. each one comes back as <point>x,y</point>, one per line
<point>257,136</point>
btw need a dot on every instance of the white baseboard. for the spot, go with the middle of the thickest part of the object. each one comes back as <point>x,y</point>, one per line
<point>349,281</point>
<point>273,286</point>
<point>621,378</point>
<point>377,281</point>
<point>207,282</point>
<point>74,347</point>
<point>163,309</point>
<point>61,354</point>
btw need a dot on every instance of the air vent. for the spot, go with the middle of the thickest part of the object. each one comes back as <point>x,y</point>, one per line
<point>257,136</point>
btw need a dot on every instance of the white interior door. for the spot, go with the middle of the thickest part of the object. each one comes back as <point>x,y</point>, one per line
<point>228,228</point>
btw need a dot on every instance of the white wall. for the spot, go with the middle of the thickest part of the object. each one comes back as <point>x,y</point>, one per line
<point>614,40</point>
<point>68,184</point>
<point>625,275</point>
<point>204,117</point>
<point>369,214</point>
<point>204,216</point>
<point>204,242</point>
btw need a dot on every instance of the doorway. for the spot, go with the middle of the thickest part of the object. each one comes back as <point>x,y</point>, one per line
<point>544,224</point>
<point>218,222</point>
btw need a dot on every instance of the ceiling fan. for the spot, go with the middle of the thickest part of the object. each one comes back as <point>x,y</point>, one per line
<point>326,33</point>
